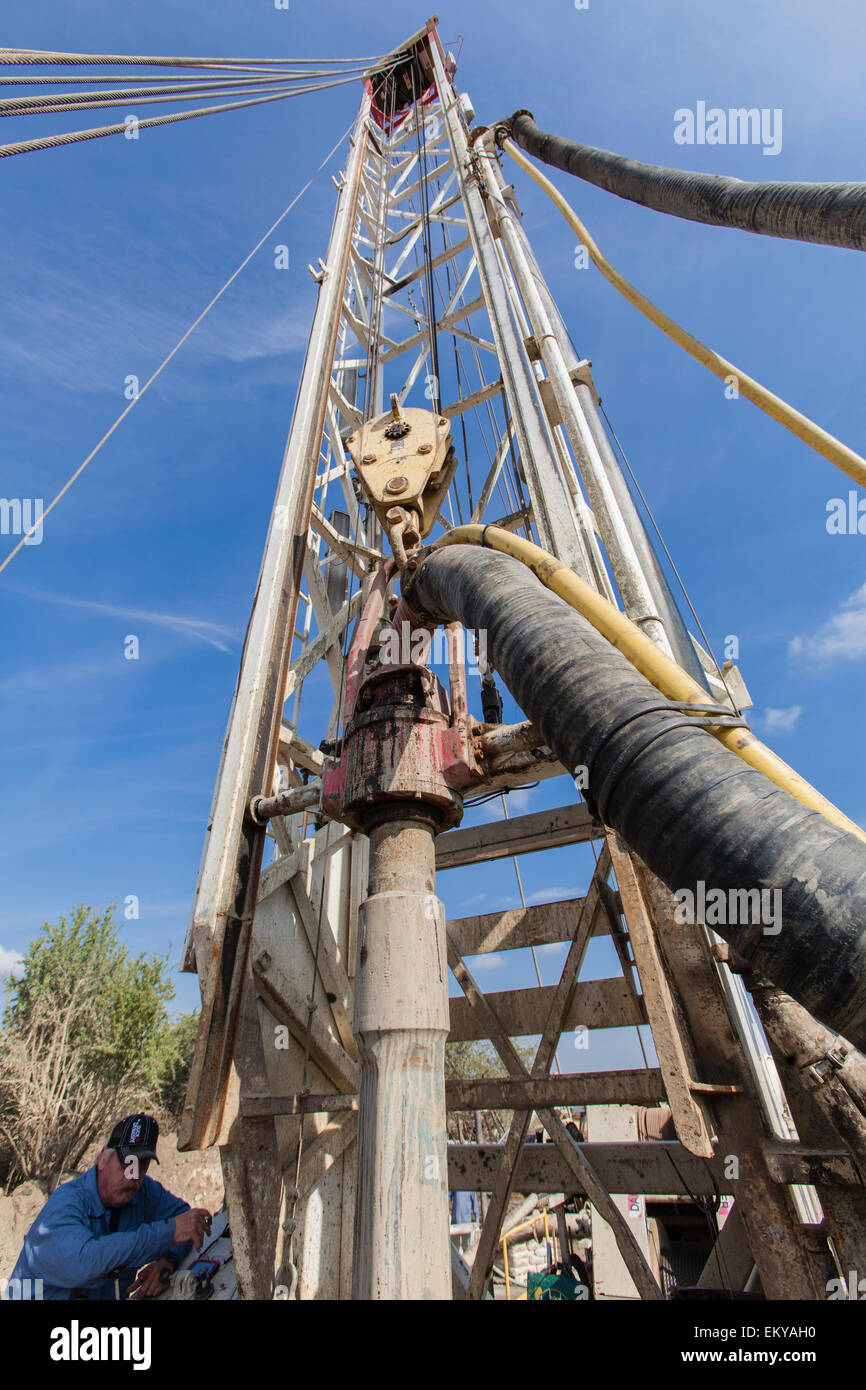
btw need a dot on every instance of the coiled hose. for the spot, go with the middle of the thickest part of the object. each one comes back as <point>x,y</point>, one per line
<point>693,811</point>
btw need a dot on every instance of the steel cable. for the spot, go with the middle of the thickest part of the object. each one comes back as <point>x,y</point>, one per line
<point>33,57</point>
<point>81,101</point>
<point>73,137</point>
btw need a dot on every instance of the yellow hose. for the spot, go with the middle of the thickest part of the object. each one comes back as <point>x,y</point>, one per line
<point>645,656</point>
<point>800,425</point>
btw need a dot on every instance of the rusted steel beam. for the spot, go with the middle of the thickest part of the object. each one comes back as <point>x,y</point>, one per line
<point>538,765</point>
<point>567,825</point>
<point>799,1163</point>
<point>292,748</point>
<point>524,1012</point>
<point>493,1093</point>
<point>278,873</point>
<point>591,912</point>
<point>830,1067</point>
<point>844,1208</point>
<point>288,1006</point>
<point>250,1160</point>
<point>330,968</point>
<point>574,1154</point>
<point>583,1088</point>
<point>325,1149</point>
<point>769,1219</point>
<point>730,1262</point>
<point>332,1103</point>
<point>622,1168</point>
<point>541,924</point>
<point>221,924</point>
<point>664,1012</point>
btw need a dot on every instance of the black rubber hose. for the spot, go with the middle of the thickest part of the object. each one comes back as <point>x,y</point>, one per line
<point>831,213</point>
<point>693,811</point>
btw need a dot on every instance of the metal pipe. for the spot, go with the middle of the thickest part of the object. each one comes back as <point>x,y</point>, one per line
<point>636,593</point>
<point>629,516</point>
<point>285,803</point>
<point>807,1044</point>
<point>550,503</point>
<point>507,739</point>
<point>401,1022</point>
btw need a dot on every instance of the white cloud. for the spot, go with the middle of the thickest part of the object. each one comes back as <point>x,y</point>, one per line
<point>557,893</point>
<point>843,635</point>
<point>11,963</point>
<point>782,721</point>
<point>200,629</point>
<point>88,337</point>
<point>493,961</point>
<point>518,800</point>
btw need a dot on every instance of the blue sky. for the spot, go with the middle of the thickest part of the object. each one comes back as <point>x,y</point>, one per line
<point>109,249</point>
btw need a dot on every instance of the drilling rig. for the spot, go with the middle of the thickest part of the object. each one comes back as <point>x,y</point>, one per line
<point>450,483</point>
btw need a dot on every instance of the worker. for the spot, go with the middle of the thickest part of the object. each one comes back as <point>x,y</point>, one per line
<point>464,1208</point>
<point>113,1231</point>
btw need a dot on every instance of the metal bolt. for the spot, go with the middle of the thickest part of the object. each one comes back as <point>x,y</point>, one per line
<point>396,484</point>
<point>425,448</point>
<point>369,458</point>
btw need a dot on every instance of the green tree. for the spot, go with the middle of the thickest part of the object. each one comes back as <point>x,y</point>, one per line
<point>179,1045</point>
<point>85,1035</point>
<point>470,1061</point>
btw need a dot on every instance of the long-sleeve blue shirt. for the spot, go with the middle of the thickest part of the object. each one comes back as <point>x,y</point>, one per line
<point>70,1248</point>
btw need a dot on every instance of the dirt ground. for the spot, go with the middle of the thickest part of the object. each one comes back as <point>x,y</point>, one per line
<point>196,1177</point>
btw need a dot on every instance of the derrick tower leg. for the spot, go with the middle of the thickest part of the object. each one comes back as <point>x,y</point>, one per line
<point>401,1023</point>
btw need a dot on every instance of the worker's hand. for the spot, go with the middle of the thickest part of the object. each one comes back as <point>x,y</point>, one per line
<point>192,1225</point>
<point>148,1282</point>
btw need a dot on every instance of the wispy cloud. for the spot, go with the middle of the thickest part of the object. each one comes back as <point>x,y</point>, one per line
<point>199,629</point>
<point>557,893</point>
<point>842,637</point>
<point>493,961</point>
<point>782,721</point>
<point>91,337</point>
<point>30,681</point>
<point>518,801</point>
<point>11,963</point>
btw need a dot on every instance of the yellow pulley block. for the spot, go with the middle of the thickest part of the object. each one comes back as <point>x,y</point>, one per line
<point>405,460</point>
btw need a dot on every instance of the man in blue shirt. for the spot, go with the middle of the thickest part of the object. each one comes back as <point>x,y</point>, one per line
<point>113,1231</point>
